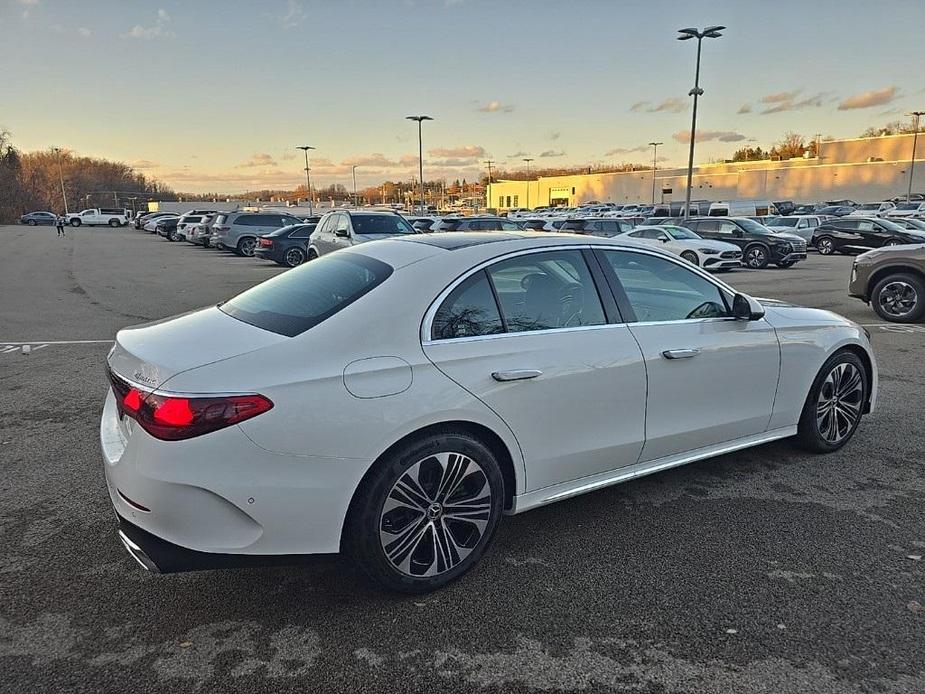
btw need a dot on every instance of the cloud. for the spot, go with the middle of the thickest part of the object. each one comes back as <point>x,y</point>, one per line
<point>143,164</point>
<point>673,104</point>
<point>554,135</point>
<point>875,97</point>
<point>83,31</point>
<point>551,153</point>
<point>745,108</point>
<point>374,159</point>
<point>626,150</point>
<point>518,154</point>
<point>789,101</point>
<point>684,136</point>
<point>294,14</point>
<point>450,163</point>
<point>160,28</point>
<point>495,107</point>
<point>257,160</point>
<point>463,151</point>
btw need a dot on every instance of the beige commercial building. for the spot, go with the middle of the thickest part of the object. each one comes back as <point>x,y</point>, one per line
<point>860,169</point>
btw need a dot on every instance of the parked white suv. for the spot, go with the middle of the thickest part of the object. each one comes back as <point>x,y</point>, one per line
<point>99,217</point>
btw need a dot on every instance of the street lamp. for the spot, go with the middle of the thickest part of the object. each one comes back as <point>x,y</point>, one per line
<point>420,119</point>
<point>308,180</point>
<point>527,161</point>
<point>355,205</point>
<point>57,152</point>
<point>654,146</point>
<point>711,32</point>
<point>915,139</point>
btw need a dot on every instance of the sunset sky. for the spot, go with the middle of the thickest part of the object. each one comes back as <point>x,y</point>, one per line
<point>215,96</point>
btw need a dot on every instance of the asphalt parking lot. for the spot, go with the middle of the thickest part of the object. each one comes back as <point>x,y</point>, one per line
<point>767,570</point>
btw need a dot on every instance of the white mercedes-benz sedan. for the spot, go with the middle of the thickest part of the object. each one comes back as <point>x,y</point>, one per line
<point>393,400</point>
<point>707,253</point>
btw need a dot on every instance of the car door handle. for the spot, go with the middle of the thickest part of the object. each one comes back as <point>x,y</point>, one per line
<point>516,375</point>
<point>680,353</point>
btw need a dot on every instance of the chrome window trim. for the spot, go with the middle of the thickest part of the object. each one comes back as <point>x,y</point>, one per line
<point>427,322</point>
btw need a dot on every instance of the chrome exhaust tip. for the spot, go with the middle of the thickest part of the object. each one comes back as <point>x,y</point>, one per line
<point>138,553</point>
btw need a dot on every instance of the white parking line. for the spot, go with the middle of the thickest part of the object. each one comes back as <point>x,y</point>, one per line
<point>55,342</point>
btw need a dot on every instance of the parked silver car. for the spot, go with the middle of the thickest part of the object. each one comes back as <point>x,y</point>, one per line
<point>238,231</point>
<point>345,228</point>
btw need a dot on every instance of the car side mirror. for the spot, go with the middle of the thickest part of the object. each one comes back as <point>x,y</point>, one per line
<point>663,239</point>
<point>343,233</point>
<point>746,308</point>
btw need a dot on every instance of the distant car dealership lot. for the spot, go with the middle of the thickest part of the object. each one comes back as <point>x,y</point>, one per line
<point>757,569</point>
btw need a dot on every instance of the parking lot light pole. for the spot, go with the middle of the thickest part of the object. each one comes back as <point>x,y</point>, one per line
<point>654,163</point>
<point>420,120</point>
<point>355,205</point>
<point>527,162</point>
<point>57,152</point>
<point>308,178</point>
<point>711,32</point>
<point>915,139</point>
<point>489,162</point>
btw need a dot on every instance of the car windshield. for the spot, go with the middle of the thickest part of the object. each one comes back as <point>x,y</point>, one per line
<point>291,303</point>
<point>380,224</point>
<point>753,227</point>
<point>908,206</point>
<point>679,233</point>
<point>892,226</point>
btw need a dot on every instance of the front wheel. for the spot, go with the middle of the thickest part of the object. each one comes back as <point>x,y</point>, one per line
<point>294,256</point>
<point>690,257</point>
<point>427,514</point>
<point>825,246</point>
<point>75,222</point>
<point>835,404</point>
<point>899,298</point>
<point>756,257</point>
<point>31,222</point>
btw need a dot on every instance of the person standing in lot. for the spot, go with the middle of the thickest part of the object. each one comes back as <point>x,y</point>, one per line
<point>59,225</point>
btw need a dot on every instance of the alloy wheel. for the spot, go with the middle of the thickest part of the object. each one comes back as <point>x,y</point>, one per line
<point>294,257</point>
<point>435,515</point>
<point>247,247</point>
<point>755,258</point>
<point>898,298</point>
<point>838,406</point>
<point>826,247</point>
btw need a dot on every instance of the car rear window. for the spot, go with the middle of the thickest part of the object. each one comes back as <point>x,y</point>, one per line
<point>295,301</point>
<point>380,224</point>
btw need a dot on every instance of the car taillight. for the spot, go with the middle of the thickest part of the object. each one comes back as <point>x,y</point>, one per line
<point>174,418</point>
<point>266,243</point>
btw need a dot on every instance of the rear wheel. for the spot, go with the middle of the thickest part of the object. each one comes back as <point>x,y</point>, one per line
<point>756,257</point>
<point>825,246</point>
<point>246,246</point>
<point>427,514</point>
<point>835,404</point>
<point>31,222</point>
<point>75,222</point>
<point>899,298</point>
<point>114,223</point>
<point>690,257</point>
<point>294,256</point>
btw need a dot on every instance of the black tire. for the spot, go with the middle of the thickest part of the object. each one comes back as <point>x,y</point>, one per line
<point>810,434</point>
<point>170,236</point>
<point>312,254</point>
<point>899,298</point>
<point>31,222</point>
<point>825,245</point>
<point>756,256</point>
<point>366,519</point>
<point>294,257</point>
<point>75,222</point>
<point>246,246</point>
<point>206,243</point>
<point>114,223</point>
<point>690,257</point>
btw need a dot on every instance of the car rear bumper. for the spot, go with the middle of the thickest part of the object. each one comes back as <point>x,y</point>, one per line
<point>267,254</point>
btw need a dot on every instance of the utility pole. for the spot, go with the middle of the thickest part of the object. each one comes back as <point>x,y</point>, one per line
<point>57,152</point>
<point>711,32</point>
<point>308,178</point>
<point>527,161</point>
<point>915,141</point>
<point>489,162</point>
<point>420,119</point>
<point>654,165</point>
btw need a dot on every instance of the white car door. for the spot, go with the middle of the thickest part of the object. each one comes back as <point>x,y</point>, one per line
<point>711,378</point>
<point>563,372</point>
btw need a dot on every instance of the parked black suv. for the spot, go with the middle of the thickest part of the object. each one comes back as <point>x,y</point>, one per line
<point>597,227</point>
<point>759,244</point>
<point>859,234</point>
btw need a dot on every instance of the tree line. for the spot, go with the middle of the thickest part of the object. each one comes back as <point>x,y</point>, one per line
<point>31,181</point>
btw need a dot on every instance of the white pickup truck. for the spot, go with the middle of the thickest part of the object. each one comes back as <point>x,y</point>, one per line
<point>114,217</point>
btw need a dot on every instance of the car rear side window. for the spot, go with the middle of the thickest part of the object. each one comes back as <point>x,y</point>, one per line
<point>295,301</point>
<point>469,311</point>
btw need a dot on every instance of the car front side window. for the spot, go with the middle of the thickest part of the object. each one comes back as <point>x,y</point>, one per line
<point>660,290</point>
